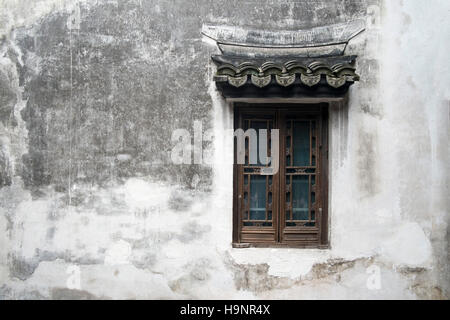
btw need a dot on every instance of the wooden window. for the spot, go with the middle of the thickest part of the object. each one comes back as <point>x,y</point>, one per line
<point>287,208</point>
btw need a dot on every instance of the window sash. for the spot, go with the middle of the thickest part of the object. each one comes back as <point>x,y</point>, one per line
<point>306,223</point>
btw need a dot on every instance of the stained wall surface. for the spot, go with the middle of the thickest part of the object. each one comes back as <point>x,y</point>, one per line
<point>93,207</point>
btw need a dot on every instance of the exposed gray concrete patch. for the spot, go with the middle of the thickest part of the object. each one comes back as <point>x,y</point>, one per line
<point>67,257</point>
<point>7,293</point>
<point>158,238</point>
<point>189,232</point>
<point>367,174</point>
<point>412,270</point>
<point>8,98</point>
<point>92,66</point>
<point>370,69</point>
<point>256,278</point>
<point>179,203</point>
<point>333,267</point>
<point>372,110</point>
<point>10,130</point>
<point>192,231</point>
<point>20,268</point>
<point>199,271</point>
<point>423,288</point>
<point>308,13</point>
<point>50,233</point>
<point>145,262</point>
<point>10,198</point>
<point>73,294</point>
<point>196,273</point>
<point>5,167</point>
<point>429,292</point>
<point>339,120</point>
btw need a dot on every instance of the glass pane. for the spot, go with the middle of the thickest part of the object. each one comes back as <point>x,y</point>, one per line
<point>300,192</point>
<point>258,198</point>
<point>301,143</point>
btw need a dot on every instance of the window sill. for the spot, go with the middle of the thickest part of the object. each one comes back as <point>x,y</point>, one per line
<point>280,245</point>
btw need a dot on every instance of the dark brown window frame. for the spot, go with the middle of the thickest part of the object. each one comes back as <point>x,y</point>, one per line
<point>298,237</point>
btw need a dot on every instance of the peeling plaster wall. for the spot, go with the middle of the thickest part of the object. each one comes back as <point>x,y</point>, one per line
<point>91,207</point>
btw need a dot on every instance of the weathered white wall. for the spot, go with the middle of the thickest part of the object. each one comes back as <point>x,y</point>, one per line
<point>142,236</point>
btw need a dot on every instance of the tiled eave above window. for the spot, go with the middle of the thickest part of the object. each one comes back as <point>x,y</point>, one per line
<point>285,71</point>
<point>284,76</point>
